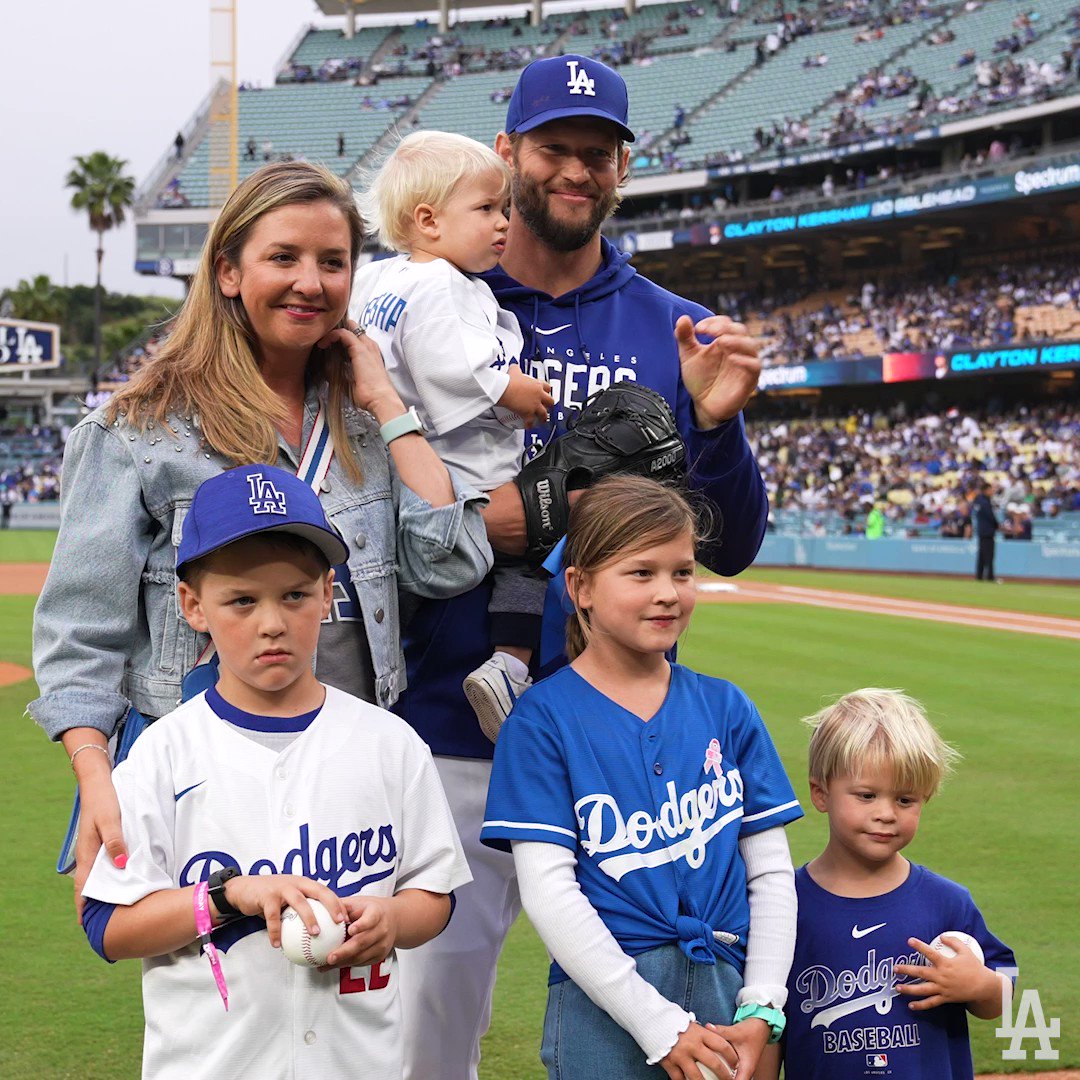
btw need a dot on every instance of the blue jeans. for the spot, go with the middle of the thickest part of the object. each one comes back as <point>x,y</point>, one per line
<point>581,1042</point>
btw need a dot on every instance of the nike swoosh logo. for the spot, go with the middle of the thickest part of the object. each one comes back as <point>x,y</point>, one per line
<point>546,333</point>
<point>180,794</point>
<point>856,933</point>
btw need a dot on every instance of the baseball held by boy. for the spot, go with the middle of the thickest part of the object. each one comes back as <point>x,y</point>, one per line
<point>268,790</point>
<point>453,354</point>
<point>867,995</point>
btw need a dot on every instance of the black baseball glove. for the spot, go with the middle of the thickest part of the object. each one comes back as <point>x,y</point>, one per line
<point>626,428</point>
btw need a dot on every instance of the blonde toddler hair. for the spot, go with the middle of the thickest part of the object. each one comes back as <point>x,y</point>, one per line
<point>874,728</point>
<point>425,167</point>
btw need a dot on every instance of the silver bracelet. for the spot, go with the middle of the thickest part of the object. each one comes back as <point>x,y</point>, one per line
<point>88,746</point>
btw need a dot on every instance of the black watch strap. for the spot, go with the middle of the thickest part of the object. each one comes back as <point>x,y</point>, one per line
<point>217,890</point>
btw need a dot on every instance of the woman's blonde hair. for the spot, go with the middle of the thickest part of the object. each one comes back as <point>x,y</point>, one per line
<point>616,517</point>
<point>208,364</point>
<point>425,167</point>
<point>873,728</point>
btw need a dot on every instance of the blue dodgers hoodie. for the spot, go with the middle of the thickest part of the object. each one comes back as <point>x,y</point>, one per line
<point>617,326</point>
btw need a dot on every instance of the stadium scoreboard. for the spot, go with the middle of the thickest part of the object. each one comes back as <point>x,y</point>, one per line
<point>28,346</point>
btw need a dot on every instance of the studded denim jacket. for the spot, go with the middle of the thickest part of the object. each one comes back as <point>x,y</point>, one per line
<point>107,628</point>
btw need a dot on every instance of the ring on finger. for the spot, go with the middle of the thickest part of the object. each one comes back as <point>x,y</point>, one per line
<point>359,331</point>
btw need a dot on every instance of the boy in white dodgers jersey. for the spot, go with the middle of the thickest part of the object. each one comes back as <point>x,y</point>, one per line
<point>645,806</point>
<point>265,790</point>
<point>453,355</point>
<point>867,995</point>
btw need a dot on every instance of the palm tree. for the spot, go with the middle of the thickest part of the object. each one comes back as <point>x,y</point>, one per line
<point>36,299</point>
<point>104,193</point>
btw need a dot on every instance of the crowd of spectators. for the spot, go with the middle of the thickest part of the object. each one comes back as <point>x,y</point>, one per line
<point>949,312</point>
<point>30,458</point>
<point>920,469</point>
<point>1005,76</point>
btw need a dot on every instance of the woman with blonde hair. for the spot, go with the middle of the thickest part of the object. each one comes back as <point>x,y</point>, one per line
<point>261,366</point>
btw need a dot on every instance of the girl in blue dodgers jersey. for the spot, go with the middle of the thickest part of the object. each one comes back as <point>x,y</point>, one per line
<point>644,805</point>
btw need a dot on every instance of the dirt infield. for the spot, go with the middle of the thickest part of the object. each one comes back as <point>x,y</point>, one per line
<point>1059,1074</point>
<point>986,618</point>
<point>22,579</point>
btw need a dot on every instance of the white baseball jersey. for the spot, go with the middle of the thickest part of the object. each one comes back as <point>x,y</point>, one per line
<point>653,811</point>
<point>447,346</point>
<point>355,803</point>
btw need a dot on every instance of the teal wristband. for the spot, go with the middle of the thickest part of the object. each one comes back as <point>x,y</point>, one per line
<point>773,1017</point>
<point>405,424</point>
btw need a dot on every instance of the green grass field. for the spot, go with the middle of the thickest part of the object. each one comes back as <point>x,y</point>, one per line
<point>1002,826</point>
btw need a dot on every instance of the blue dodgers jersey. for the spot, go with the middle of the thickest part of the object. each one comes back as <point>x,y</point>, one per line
<point>653,811</point>
<point>845,1020</point>
<point>617,326</point>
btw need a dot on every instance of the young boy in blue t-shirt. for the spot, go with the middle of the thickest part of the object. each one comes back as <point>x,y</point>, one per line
<point>869,995</point>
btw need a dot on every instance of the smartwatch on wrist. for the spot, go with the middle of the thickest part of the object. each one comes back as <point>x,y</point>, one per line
<point>217,892</point>
<point>405,424</point>
<point>773,1017</point>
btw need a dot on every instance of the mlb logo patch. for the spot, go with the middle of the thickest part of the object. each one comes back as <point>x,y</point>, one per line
<point>265,498</point>
<point>877,1061</point>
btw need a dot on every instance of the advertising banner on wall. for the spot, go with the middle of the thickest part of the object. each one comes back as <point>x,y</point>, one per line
<point>28,346</point>
<point>913,366</point>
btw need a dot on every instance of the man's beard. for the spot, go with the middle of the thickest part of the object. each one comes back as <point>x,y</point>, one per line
<point>528,200</point>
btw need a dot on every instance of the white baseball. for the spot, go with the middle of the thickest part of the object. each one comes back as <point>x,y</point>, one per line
<point>946,950</point>
<point>707,1073</point>
<point>298,944</point>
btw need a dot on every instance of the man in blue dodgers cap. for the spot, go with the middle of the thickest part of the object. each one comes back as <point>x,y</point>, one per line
<point>588,320</point>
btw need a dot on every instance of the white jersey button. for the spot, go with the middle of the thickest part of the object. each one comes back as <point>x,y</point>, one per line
<point>309,1037</point>
<point>290,810</point>
<point>281,773</point>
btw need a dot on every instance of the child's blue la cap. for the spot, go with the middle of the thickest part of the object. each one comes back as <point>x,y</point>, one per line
<point>561,86</point>
<point>252,499</point>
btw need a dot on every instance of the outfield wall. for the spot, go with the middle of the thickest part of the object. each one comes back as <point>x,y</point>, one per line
<point>44,515</point>
<point>1013,558</point>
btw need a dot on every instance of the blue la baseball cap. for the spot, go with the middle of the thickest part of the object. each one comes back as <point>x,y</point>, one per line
<point>252,499</point>
<point>561,86</point>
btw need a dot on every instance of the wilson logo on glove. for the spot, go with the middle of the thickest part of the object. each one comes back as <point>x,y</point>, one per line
<point>626,428</point>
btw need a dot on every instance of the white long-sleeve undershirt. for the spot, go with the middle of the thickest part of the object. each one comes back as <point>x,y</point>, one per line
<point>586,950</point>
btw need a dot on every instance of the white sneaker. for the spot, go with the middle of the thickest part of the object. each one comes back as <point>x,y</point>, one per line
<point>492,692</point>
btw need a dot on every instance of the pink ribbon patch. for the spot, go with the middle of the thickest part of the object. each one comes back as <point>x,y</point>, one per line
<point>713,757</point>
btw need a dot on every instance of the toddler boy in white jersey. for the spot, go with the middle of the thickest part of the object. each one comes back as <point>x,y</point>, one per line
<point>867,995</point>
<point>266,790</point>
<point>453,355</point>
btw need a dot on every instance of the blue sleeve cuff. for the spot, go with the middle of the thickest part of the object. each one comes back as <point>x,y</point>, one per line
<point>96,916</point>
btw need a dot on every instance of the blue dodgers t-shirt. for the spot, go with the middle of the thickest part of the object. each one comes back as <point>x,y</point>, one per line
<point>845,1020</point>
<point>652,810</point>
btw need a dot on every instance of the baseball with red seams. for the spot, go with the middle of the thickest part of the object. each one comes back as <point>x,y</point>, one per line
<point>298,944</point>
<point>945,949</point>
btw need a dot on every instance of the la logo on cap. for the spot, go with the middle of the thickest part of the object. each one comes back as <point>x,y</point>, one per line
<point>579,81</point>
<point>265,498</point>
